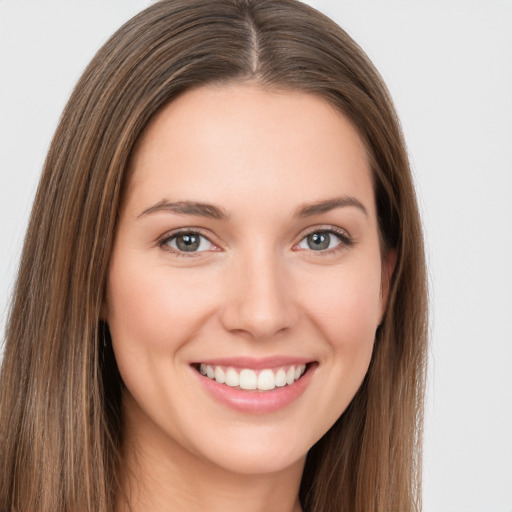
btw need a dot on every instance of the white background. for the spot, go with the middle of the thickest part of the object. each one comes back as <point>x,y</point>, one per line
<point>448,65</point>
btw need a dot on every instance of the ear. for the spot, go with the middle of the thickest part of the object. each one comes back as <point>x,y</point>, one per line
<point>388,267</point>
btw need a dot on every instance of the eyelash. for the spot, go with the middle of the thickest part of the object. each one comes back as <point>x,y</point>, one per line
<point>345,239</point>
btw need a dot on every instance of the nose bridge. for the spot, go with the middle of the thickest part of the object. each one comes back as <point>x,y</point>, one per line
<point>259,301</point>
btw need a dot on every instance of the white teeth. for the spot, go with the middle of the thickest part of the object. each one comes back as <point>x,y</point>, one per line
<point>280,378</point>
<point>220,376</point>
<point>266,380</point>
<point>232,378</point>
<point>299,371</point>
<point>248,379</point>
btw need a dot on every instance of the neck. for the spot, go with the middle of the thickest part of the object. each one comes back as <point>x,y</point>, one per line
<point>161,475</point>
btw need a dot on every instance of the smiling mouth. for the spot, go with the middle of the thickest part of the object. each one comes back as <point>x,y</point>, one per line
<point>265,379</point>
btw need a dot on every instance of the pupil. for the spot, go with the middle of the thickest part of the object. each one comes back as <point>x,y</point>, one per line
<point>187,243</point>
<point>319,241</point>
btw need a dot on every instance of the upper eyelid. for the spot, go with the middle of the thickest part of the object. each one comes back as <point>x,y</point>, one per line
<point>325,228</point>
<point>175,232</point>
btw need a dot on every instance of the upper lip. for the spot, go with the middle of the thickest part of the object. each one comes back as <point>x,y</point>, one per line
<point>255,363</point>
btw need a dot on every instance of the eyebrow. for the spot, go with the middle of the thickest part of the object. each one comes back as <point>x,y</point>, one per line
<point>187,208</point>
<point>310,210</point>
<point>214,212</point>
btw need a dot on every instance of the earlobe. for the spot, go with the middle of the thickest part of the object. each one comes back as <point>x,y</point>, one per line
<point>388,267</point>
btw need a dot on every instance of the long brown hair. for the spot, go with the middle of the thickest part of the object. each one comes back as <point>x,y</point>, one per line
<point>60,427</point>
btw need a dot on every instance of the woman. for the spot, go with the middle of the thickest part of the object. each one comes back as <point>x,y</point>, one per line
<point>221,298</point>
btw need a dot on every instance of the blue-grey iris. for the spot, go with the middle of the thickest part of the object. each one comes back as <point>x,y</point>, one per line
<point>188,242</point>
<point>318,241</point>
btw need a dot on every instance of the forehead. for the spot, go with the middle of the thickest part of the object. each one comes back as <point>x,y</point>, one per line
<point>238,143</point>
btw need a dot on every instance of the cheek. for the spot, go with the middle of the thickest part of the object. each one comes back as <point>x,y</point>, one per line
<point>345,304</point>
<point>152,316</point>
<point>156,310</point>
<point>344,307</point>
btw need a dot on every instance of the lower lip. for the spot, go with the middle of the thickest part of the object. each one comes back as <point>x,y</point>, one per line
<point>257,402</point>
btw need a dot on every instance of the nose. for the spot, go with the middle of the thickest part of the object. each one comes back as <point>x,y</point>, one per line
<point>259,298</point>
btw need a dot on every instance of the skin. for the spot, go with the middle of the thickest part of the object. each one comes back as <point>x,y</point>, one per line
<point>255,288</point>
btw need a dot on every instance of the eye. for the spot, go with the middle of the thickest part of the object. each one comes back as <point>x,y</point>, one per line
<point>323,240</point>
<point>187,241</point>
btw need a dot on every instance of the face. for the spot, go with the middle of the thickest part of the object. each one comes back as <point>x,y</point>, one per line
<point>246,280</point>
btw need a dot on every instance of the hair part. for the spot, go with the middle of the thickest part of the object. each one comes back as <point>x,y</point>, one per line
<point>60,390</point>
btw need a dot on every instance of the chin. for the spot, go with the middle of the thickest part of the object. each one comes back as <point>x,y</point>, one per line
<point>260,451</point>
<point>263,462</point>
